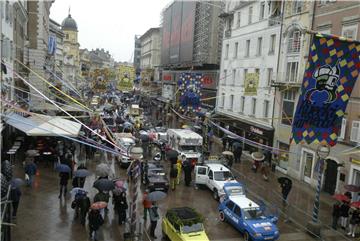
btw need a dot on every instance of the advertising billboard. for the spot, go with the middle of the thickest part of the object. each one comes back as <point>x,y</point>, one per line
<point>251,83</point>
<point>178,33</point>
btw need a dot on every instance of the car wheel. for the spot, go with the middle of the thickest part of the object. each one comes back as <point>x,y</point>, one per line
<point>215,194</point>
<point>247,236</point>
<point>222,216</point>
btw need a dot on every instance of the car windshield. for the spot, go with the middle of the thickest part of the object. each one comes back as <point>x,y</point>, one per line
<point>223,176</point>
<point>189,148</point>
<point>235,191</point>
<point>197,227</point>
<point>157,173</point>
<point>253,213</point>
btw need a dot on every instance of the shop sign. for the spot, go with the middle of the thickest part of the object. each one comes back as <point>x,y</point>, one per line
<point>256,130</point>
<point>355,161</point>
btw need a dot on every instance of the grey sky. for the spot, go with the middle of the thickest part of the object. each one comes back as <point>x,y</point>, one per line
<point>110,24</point>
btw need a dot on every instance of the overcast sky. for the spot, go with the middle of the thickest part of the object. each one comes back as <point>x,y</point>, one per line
<point>110,24</point>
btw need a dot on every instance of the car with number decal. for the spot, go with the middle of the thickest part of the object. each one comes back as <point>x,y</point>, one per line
<point>246,215</point>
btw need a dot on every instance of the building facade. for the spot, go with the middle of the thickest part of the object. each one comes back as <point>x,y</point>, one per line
<point>71,50</point>
<point>137,53</point>
<point>245,97</point>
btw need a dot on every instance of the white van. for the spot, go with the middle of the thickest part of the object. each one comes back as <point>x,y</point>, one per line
<point>124,140</point>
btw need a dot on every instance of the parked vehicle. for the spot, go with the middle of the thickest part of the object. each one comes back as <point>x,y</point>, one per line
<point>155,177</point>
<point>214,176</point>
<point>246,215</point>
<point>183,224</point>
<point>126,141</point>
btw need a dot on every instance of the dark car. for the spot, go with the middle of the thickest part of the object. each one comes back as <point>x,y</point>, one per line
<point>155,178</point>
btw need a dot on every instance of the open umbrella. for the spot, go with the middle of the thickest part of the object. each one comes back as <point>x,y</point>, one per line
<point>341,197</point>
<point>104,185</point>
<point>355,204</point>
<point>98,205</point>
<point>172,154</point>
<point>78,190</point>
<point>156,196</point>
<point>82,173</point>
<point>16,182</point>
<point>352,188</point>
<point>103,170</point>
<point>257,156</point>
<point>227,153</point>
<point>63,168</point>
<point>144,137</point>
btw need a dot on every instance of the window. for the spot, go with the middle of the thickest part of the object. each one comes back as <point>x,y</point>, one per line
<point>297,6</point>
<point>294,42</point>
<point>230,205</point>
<point>67,36</point>
<point>272,44</point>
<point>262,10</point>
<point>253,106</point>
<point>211,176</point>
<point>222,103</point>
<point>323,2</point>
<point>355,131</point>
<point>250,14</point>
<point>269,76</point>
<point>288,105</point>
<point>259,47</point>
<point>202,170</point>
<point>292,71</point>
<point>266,109</point>
<point>245,73</point>
<point>342,130</point>
<point>233,76</point>
<point>242,104</point>
<point>237,211</point>
<point>247,50</point>
<point>231,102</point>
<point>257,71</point>
<point>224,77</point>
<point>226,51</point>
<point>238,19</point>
<point>236,50</point>
<point>349,31</point>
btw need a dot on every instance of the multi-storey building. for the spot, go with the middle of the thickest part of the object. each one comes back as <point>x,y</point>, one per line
<point>137,53</point>
<point>245,97</point>
<point>58,34</point>
<point>343,165</point>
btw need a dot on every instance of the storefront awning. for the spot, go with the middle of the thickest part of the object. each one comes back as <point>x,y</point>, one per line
<point>42,125</point>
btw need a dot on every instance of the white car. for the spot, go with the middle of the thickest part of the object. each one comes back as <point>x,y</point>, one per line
<point>214,176</point>
<point>126,143</point>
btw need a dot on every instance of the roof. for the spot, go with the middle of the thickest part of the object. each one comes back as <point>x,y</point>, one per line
<point>243,202</point>
<point>149,31</point>
<point>69,24</point>
<point>183,132</point>
<point>217,167</point>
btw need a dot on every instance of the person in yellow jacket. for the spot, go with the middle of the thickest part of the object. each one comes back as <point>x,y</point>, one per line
<point>178,167</point>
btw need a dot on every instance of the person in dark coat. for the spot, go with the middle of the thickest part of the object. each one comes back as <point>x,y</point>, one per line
<point>224,143</point>
<point>120,206</point>
<point>335,215</point>
<point>84,205</point>
<point>64,178</point>
<point>237,153</point>
<point>95,222</point>
<point>354,221</point>
<point>15,195</point>
<point>30,171</point>
<point>344,214</point>
<point>187,172</point>
<point>286,186</point>
<point>154,217</point>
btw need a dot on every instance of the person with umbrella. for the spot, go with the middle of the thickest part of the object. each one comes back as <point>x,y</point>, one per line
<point>64,178</point>
<point>354,221</point>
<point>335,215</point>
<point>237,151</point>
<point>154,217</point>
<point>187,172</point>
<point>344,214</point>
<point>79,176</point>
<point>95,222</point>
<point>120,206</point>
<point>15,195</point>
<point>146,204</point>
<point>102,196</point>
<point>84,205</point>
<point>30,171</point>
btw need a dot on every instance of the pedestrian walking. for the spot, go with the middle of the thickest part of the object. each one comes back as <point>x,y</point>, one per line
<point>15,195</point>
<point>224,143</point>
<point>95,222</point>
<point>84,205</point>
<point>173,177</point>
<point>187,172</point>
<point>237,152</point>
<point>335,215</point>
<point>285,185</point>
<point>354,221</point>
<point>154,217</point>
<point>179,169</point>
<point>265,170</point>
<point>120,206</point>
<point>102,197</point>
<point>64,178</point>
<point>30,171</point>
<point>344,214</point>
<point>146,204</point>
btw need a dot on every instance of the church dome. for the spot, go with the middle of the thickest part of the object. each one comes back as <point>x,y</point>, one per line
<point>69,24</point>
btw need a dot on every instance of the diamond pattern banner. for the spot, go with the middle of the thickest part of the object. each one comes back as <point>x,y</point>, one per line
<point>330,75</point>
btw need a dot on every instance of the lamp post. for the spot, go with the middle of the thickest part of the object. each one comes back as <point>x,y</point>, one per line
<point>322,153</point>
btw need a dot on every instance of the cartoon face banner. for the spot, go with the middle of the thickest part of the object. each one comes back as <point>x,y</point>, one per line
<point>330,76</point>
<point>190,85</point>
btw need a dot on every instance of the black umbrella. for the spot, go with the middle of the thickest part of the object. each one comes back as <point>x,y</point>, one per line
<point>82,173</point>
<point>104,185</point>
<point>63,168</point>
<point>156,196</point>
<point>172,154</point>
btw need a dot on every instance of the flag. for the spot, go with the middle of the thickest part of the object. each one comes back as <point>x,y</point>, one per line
<point>331,72</point>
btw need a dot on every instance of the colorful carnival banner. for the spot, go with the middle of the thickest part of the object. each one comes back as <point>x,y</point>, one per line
<point>126,71</point>
<point>329,78</point>
<point>189,87</point>
<point>251,83</point>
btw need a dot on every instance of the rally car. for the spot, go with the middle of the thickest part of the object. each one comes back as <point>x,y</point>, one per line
<point>246,215</point>
<point>154,177</point>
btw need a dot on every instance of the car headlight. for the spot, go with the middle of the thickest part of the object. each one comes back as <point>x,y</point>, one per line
<point>257,234</point>
<point>276,232</point>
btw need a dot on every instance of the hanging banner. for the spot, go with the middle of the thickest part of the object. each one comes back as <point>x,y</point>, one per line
<point>190,85</point>
<point>329,78</point>
<point>126,71</point>
<point>251,83</point>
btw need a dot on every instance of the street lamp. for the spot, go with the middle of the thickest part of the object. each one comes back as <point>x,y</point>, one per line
<point>322,153</point>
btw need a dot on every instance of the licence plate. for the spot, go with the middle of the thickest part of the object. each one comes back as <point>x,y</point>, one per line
<point>268,238</point>
<point>159,188</point>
